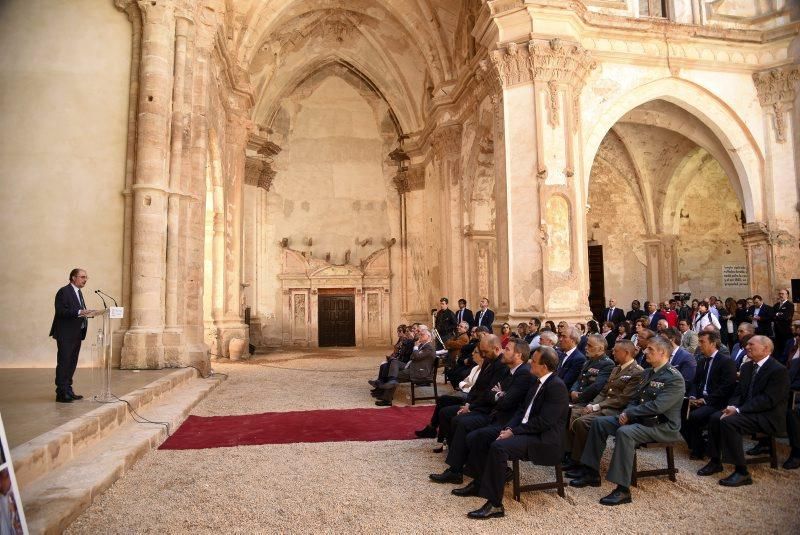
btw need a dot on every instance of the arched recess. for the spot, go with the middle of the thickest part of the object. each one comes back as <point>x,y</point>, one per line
<point>730,130</point>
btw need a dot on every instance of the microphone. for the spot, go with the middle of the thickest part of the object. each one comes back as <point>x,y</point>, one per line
<point>103,293</point>
<point>101,298</point>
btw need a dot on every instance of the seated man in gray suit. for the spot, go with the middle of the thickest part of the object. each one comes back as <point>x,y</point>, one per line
<point>653,415</point>
<point>418,368</point>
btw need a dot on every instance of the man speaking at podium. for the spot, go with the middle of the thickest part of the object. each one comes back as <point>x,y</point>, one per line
<point>69,329</point>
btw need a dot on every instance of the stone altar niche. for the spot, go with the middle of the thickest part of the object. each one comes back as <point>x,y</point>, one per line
<point>303,278</point>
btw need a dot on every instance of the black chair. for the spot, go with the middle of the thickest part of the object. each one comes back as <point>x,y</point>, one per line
<point>557,484</point>
<point>430,381</point>
<point>670,470</point>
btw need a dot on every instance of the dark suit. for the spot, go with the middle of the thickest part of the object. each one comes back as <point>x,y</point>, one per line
<point>765,323</point>
<point>592,379</point>
<point>69,330</point>
<point>657,315</point>
<point>492,372</point>
<point>714,383</point>
<point>738,354</point>
<point>617,316</point>
<point>420,367</point>
<point>762,408</point>
<point>465,315</point>
<point>611,340</point>
<point>634,315</point>
<point>539,439</point>
<point>569,368</point>
<point>484,319</point>
<point>686,364</point>
<point>782,317</point>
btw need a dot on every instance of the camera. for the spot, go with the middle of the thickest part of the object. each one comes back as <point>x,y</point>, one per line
<point>682,296</point>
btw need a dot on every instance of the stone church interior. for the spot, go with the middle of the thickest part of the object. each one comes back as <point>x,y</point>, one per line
<point>267,189</point>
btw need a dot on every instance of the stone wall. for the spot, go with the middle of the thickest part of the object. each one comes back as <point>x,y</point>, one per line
<point>64,81</point>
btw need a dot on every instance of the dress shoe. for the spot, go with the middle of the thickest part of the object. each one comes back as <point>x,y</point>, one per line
<point>792,463</point>
<point>711,468</point>
<point>391,383</point>
<point>438,449</point>
<point>383,403</point>
<point>448,476</point>
<point>471,489</point>
<point>63,398</point>
<point>426,432</point>
<point>374,383</point>
<point>696,456</point>
<point>575,473</point>
<point>618,497</point>
<point>736,480</point>
<point>586,480</point>
<point>487,511</point>
<point>758,449</point>
<point>570,464</point>
<point>73,395</point>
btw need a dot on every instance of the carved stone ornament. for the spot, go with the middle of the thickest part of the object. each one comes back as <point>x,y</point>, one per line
<point>776,89</point>
<point>410,179</point>
<point>446,140</point>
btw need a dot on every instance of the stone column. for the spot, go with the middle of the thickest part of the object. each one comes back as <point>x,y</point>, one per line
<point>777,90</point>
<point>760,267</point>
<point>548,264</point>
<point>236,132</point>
<point>654,253</point>
<point>447,151</point>
<point>143,343</point>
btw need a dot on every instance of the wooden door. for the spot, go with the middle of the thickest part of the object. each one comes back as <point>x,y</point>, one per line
<point>337,320</point>
<point>597,291</point>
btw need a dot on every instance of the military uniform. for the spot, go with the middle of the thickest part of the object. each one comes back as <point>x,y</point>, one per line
<point>654,416</point>
<point>615,395</point>
<point>592,379</point>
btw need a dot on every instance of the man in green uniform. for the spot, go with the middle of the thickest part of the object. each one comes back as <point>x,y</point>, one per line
<point>652,416</point>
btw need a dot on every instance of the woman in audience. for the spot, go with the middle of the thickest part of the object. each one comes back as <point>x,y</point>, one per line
<point>522,330</point>
<point>505,334</point>
<point>458,398</point>
<point>727,320</point>
<point>695,306</point>
<point>549,326</point>
<point>624,331</point>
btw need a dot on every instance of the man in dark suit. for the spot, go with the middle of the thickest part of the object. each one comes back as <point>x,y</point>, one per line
<point>69,329</point>
<point>485,316</point>
<point>783,312</point>
<point>653,315</point>
<point>445,321</point>
<point>760,315</point>
<point>745,332</point>
<point>464,314</point>
<point>792,414</point>
<point>758,405</point>
<point>569,368</point>
<point>712,387</point>
<point>680,358</point>
<point>419,367</point>
<point>653,415</point>
<point>494,407</point>
<point>534,433</point>
<point>612,313</point>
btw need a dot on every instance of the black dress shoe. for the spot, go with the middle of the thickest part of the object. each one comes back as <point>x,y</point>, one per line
<point>696,456</point>
<point>487,511</point>
<point>63,398</point>
<point>383,403</point>
<point>426,432</point>
<point>759,449</point>
<point>570,464</point>
<point>438,449</point>
<point>711,468</point>
<point>618,497</point>
<point>73,395</point>
<point>374,383</point>
<point>471,489</point>
<point>586,480</point>
<point>448,476</point>
<point>792,463</point>
<point>575,473</point>
<point>736,480</point>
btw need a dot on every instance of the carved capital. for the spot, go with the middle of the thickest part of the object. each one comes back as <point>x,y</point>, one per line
<point>446,140</point>
<point>776,90</point>
<point>410,179</point>
<point>258,169</point>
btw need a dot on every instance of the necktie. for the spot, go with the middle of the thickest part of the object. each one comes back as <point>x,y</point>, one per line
<point>84,321</point>
<point>610,313</point>
<point>708,376</point>
<point>756,367</point>
<point>528,412</point>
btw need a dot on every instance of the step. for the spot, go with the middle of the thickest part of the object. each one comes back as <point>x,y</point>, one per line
<point>52,502</point>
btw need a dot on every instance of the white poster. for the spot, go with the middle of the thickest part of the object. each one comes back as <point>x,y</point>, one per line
<point>734,275</point>
<point>12,519</point>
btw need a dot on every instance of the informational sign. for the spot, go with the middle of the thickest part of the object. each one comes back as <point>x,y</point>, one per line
<point>12,519</point>
<point>734,275</point>
<point>116,312</point>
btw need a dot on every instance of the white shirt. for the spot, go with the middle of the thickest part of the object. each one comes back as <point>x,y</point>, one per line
<point>567,355</point>
<point>469,382</point>
<point>541,384</point>
<point>673,354</point>
<point>535,342</point>
<point>708,372</point>
<point>756,312</point>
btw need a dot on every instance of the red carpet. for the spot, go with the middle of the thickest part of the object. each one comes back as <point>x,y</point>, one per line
<point>363,425</point>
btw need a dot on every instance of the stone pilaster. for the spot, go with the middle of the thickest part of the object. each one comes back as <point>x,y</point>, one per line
<point>760,267</point>
<point>143,343</point>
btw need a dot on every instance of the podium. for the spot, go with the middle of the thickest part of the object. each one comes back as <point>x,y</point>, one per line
<point>102,351</point>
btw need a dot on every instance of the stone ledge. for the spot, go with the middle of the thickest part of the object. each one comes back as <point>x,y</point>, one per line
<point>53,449</point>
<point>51,503</point>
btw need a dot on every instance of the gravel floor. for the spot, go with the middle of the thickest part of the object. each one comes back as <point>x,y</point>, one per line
<point>376,487</point>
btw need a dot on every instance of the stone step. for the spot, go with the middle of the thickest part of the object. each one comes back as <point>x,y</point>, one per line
<point>51,503</point>
<point>53,449</point>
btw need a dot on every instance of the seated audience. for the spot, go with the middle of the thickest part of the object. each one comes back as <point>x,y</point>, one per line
<point>680,358</point>
<point>792,415</point>
<point>615,396</point>
<point>572,360</point>
<point>533,433</point>
<point>653,315</point>
<point>534,326</point>
<point>418,368</point>
<point>745,332</point>
<point>652,416</point>
<point>609,333</point>
<point>550,326</point>
<point>688,336</point>
<point>454,344</point>
<point>505,335</point>
<point>712,387</point>
<point>758,405</point>
<point>464,363</point>
<point>642,342</point>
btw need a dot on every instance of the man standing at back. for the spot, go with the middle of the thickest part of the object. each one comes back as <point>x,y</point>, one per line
<point>612,313</point>
<point>485,316</point>
<point>69,329</point>
<point>464,314</point>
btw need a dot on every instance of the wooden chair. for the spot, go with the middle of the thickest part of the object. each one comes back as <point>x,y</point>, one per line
<point>772,458</point>
<point>670,470</point>
<point>557,484</point>
<point>430,381</point>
